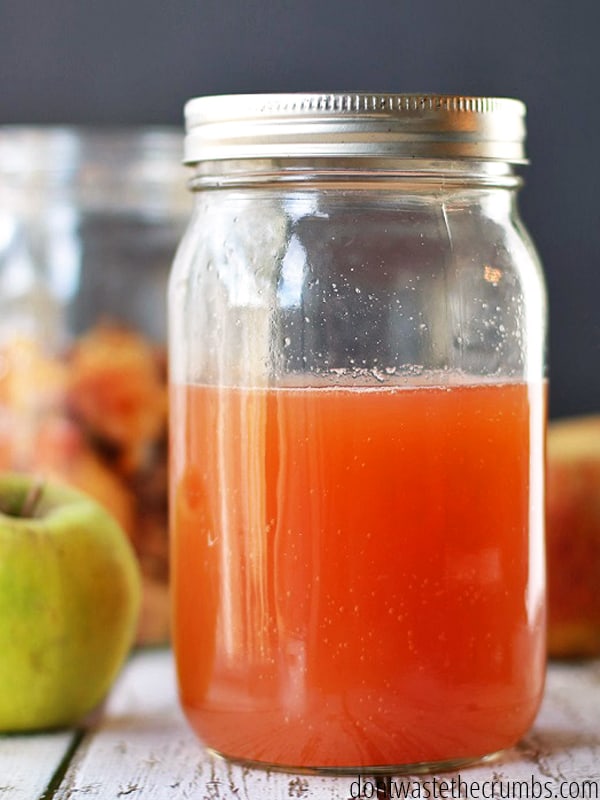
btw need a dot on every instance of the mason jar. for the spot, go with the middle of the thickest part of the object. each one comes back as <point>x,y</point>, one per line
<point>357,360</point>
<point>89,222</point>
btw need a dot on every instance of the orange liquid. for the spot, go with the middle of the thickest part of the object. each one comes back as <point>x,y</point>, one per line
<point>358,572</point>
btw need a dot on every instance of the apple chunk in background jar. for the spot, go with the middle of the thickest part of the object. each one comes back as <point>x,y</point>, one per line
<point>69,600</point>
<point>91,220</point>
<point>97,419</point>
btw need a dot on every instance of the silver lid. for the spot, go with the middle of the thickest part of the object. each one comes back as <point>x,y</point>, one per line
<point>356,125</point>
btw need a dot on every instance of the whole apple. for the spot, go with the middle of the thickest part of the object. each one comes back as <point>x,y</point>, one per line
<point>573,537</point>
<point>69,602</point>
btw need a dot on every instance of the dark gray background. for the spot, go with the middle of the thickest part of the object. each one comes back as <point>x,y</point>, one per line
<point>137,61</point>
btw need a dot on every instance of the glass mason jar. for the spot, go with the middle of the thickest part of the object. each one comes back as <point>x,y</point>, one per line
<point>357,337</point>
<point>89,223</point>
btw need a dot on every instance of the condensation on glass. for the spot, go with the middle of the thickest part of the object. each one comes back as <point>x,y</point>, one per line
<point>357,355</point>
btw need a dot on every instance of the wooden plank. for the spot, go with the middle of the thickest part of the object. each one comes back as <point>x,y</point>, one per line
<point>143,749</point>
<point>28,763</point>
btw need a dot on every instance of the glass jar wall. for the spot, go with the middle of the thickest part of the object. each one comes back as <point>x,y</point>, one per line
<point>357,346</point>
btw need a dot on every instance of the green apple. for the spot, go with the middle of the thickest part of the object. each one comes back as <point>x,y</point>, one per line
<point>69,602</point>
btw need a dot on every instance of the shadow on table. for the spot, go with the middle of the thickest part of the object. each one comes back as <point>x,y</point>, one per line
<point>550,741</point>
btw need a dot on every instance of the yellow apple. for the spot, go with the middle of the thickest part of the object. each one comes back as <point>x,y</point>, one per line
<point>69,602</point>
<point>573,537</point>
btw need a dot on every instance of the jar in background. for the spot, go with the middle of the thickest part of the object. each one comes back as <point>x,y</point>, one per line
<point>89,221</point>
<point>357,356</point>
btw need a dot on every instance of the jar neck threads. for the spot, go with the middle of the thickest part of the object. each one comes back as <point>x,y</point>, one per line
<point>361,172</point>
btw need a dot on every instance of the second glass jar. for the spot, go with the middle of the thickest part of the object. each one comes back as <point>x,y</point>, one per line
<point>89,222</point>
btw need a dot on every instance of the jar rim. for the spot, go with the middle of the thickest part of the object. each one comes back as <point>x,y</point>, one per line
<point>359,124</point>
<point>96,167</point>
<point>62,149</point>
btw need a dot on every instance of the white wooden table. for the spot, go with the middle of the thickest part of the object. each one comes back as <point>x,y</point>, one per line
<point>142,749</point>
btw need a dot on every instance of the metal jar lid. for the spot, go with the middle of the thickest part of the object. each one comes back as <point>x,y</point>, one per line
<point>354,125</point>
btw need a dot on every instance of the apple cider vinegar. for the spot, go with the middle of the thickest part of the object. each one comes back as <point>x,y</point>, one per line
<point>374,547</point>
